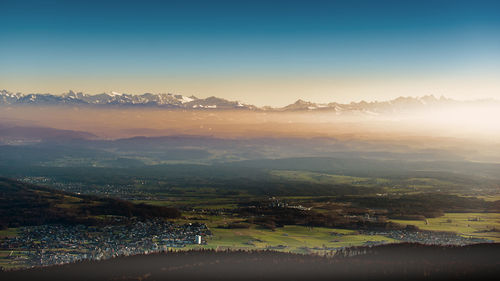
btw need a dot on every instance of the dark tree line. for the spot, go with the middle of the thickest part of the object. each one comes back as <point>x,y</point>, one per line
<point>271,218</point>
<point>386,262</point>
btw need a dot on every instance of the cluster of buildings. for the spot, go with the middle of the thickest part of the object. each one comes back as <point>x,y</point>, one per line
<point>108,190</point>
<point>277,203</point>
<point>59,244</point>
<point>428,237</point>
<point>422,237</point>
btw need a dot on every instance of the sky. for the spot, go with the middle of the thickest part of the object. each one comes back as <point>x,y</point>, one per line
<point>258,52</point>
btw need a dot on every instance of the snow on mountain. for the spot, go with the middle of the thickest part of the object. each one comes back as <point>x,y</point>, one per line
<point>398,105</point>
<point>186,99</point>
<point>300,105</point>
<point>116,98</point>
<point>175,101</point>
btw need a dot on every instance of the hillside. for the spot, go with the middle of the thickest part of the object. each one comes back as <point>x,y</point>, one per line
<point>23,204</point>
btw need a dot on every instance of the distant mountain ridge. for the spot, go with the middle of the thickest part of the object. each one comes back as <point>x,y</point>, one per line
<point>114,98</point>
<point>175,101</point>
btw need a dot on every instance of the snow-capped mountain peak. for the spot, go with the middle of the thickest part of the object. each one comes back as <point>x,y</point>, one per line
<point>177,101</point>
<point>115,98</point>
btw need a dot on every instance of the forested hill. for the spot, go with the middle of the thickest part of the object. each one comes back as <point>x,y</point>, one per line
<point>387,262</point>
<point>24,204</point>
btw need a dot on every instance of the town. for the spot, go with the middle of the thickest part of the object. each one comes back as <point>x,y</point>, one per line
<point>428,237</point>
<point>59,244</point>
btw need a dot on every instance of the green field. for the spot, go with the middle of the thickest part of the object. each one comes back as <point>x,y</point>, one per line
<point>9,232</point>
<point>12,259</point>
<point>480,225</point>
<point>291,238</point>
<point>193,202</point>
<point>411,184</point>
<point>489,198</point>
<point>321,177</point>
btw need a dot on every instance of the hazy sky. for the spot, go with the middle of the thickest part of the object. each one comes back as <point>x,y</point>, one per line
<point>260,52</point>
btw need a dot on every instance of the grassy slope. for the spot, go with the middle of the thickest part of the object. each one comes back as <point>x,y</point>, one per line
<point>463,223</point>
<point>297,239</point>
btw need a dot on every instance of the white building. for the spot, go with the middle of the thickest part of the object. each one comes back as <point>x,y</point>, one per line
<point>197,239</point>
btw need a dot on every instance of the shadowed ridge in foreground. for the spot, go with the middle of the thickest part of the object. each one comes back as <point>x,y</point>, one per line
<point>387,262</point>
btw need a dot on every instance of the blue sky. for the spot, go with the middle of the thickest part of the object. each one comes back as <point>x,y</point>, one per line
<point>263,52</point>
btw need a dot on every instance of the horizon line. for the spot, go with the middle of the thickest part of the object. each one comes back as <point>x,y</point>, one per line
<point>441,97</point>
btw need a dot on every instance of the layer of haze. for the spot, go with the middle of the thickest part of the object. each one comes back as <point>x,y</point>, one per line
<point>471,130</point>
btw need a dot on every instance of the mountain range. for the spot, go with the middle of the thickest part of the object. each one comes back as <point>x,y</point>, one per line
<point>175,101</point>
<point>114,98</point>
